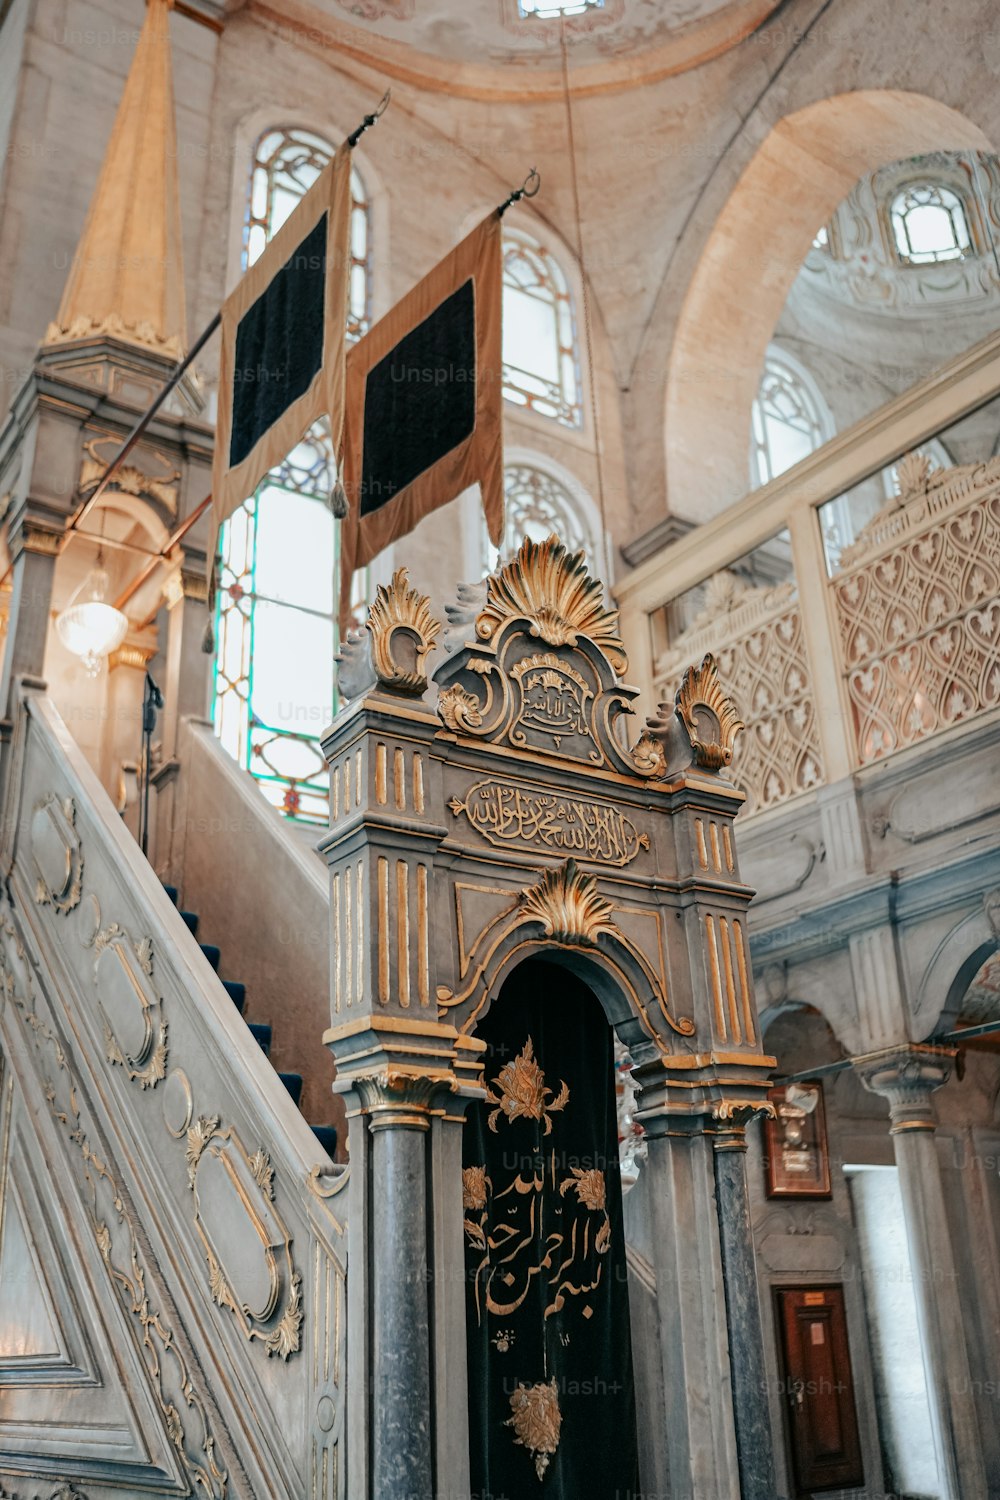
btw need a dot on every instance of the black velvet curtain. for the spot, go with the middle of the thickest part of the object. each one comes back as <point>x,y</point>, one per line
<point>551,1395</point>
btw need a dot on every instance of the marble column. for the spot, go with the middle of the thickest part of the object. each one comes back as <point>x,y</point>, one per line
<point>35,550</point>
<point>906,1078</point>
<point>406,1084</point>
<point>401,1432</point>
<point>699,1430</point>
<point>185,695</point>
<point>751,1413</point>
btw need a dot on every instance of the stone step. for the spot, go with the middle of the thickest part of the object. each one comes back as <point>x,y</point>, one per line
<point>293,1083</point>
<point>190,920</point>
<point>173,893</point>
<point>327,1137</point>
<point>261,1034</point>
<point>237,993</point>
<point>212,953</point>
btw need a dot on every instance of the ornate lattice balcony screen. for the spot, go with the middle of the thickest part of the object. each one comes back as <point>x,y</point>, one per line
<point>756,637</point>
<point>918,608</point>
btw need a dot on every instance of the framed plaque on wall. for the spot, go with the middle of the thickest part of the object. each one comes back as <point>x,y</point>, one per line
<point>796,1157</point>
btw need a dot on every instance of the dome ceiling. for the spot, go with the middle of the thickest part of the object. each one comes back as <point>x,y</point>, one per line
<point>858,266</point>
<point>488,48</point>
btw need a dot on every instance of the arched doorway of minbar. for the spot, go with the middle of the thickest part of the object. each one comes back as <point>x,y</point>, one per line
<point>552,1408</point>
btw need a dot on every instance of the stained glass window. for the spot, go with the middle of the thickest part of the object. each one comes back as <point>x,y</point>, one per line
<point>536,505</point>
<point>540,358</point>
<point>789,419</point>
<point>547,9</point>
<point>277,587</point>
<point>286,164</point>
<point>929,224</point>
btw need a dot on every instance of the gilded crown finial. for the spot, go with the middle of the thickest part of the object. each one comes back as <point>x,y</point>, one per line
<point>552,589</point>
<point>708,715</point>
<point>403,633</point>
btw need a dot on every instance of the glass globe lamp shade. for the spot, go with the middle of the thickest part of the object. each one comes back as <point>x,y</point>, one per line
<point>89,626</point>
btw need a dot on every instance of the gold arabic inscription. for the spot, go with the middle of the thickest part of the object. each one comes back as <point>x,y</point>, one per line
<point>507,814</point>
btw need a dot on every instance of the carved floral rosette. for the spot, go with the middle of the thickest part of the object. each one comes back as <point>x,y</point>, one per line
<point>543,673</point>
<point>247,1246</point>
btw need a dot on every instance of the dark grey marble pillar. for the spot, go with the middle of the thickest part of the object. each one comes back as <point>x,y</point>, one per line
<point>754,1450</point>
<point>400,1375</point>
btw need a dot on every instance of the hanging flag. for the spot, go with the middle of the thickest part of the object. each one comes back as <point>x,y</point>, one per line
<point>282,363</point>
<point>423,398</point>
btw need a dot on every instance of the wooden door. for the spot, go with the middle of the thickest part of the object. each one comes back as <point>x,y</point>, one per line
<point>820,1415</point>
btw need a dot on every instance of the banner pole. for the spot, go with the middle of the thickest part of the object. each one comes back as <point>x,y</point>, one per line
<point>80,515</point>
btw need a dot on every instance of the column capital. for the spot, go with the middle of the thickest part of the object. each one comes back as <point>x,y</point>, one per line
<point>185,583</point>
<point>703,1093</point>
<point>34,537</point>
<point>906,1077</point>
<point>732,1116</point>
<point>133,655</point>
<point>400,1072</point>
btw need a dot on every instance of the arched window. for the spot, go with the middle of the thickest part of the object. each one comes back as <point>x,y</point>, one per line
<point>547,9</point>
<point>277,587</point>
<point>929,224</point>
<point>286,163</point>
<point>789,418</point>
<point>541,368</point>
<point>536,505</point>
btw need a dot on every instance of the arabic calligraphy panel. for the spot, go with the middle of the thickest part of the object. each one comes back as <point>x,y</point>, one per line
<point>508,815</point>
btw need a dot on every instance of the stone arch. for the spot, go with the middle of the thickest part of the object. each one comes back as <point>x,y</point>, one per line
<point>951,970</point>
<point>804,167</point>
<point>613,970</point>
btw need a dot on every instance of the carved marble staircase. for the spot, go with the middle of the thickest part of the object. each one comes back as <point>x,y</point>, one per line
<point>261,1031</point>
<point>173,1235</point>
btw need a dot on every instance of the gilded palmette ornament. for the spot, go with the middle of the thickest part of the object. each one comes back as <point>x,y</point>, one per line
<point>403,633</point>
<point>569,906</point>
<point>709,715</point>
<point>459,709</point>
<point>521,1092</point>
<point>552,589</point>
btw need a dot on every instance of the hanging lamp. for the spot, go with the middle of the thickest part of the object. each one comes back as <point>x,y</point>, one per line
<point>89,626</point>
